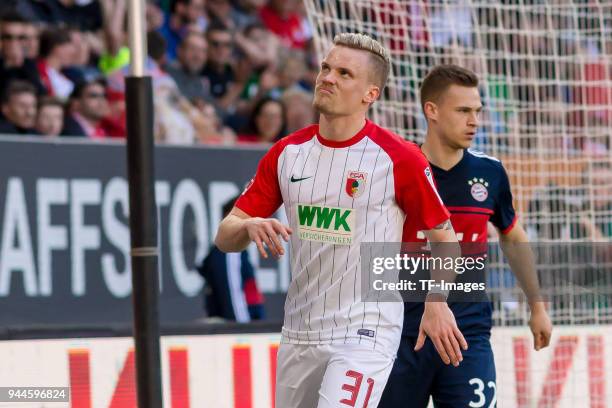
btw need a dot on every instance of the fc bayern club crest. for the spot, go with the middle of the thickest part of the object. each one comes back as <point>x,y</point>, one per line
<point>355,183</point>
<point>479,189</point>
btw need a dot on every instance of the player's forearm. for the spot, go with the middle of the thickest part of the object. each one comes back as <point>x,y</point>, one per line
<point>232,235</point>
<point>522,262</point>
<point>444,245</point>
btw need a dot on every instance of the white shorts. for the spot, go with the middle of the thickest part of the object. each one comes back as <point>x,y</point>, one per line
<point>325,376</point>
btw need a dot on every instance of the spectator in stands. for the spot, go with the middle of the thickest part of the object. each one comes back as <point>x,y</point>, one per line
<point>247,11</point>
<point>87,108</point>
<point>116,119</point>
<point>174,114</point>
<point>218,66</point>
<point>267,123</point>
<point>18,108</point>
<point>596,90</point>
<point>221,12</point>
<point>57,52</point>
<point>13,39</point>
<point>565,214</point>
<point>50,118</point>
<point>154,17</point>
<point>260,49</point>
<point>499,107</point>
<point>546,211</point>
<point>281,17</point>
<point>225,85</point>
<point>81,67</point>
<point>599,228</point>
<point>230,290</point>
<point>187,70</point>
<point>86,15</point>
<point>290,73</point>
<point>13,62</point>
<point>299,110</point>
<point>116,53</point>
<point>184,15</point>
<point>259,45</point>
<point>451,25</point>
<point>31,41</point>
<point>210,129</point>
<point>173,121</point>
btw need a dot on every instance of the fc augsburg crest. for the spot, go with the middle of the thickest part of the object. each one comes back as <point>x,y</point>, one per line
<point>355,183</point>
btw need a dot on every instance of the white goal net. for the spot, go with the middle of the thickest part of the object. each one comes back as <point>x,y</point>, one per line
<point>546,81</point>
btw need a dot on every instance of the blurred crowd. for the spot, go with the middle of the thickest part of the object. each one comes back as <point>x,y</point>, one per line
<point>242,71</point>
<point>223,71</point>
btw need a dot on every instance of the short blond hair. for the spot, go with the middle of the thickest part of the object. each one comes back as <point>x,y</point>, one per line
<point>380,56</point>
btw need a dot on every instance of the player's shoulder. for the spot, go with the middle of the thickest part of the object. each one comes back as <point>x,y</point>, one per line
<point>398,148</point>
<point>296,138</point>
<point>299,136</point>
<point>480,159</point>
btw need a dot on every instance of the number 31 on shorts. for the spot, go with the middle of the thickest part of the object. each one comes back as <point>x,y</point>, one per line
<point>481,399</point>
<point>354,387</point>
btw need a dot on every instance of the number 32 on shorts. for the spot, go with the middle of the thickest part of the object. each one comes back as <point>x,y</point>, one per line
<point>481,399</point>
<point>355,387</point>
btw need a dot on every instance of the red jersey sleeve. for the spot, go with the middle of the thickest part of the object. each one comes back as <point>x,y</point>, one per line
<point>262,196</point>
<point>415,190</point>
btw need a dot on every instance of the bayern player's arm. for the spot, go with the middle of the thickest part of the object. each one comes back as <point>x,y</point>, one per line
<point>249,219</point>
<point>515,246</point>
<point>438,321</point>
<point>417,196</point>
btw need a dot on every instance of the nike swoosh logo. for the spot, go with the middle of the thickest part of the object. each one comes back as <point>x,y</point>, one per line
<point>293,179</point>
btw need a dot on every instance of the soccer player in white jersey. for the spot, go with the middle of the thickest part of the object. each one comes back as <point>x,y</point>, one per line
<point>342,182</point>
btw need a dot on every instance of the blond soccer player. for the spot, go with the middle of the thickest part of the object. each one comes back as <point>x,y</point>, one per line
<point>342,181</point>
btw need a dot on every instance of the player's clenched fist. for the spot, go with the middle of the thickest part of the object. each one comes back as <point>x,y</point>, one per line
<point>439,324</point>
<point>540,325</point>
<point>267,231</point>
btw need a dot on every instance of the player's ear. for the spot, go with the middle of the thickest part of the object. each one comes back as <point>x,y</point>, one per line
<point>431,110</point>
<point>372,95</point>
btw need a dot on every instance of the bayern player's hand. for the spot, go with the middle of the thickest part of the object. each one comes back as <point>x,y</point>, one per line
<point>541,326</point>
<point>267,231</point>
<point>438,322</point>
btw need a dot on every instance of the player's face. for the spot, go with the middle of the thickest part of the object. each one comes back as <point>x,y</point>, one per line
<point>343,85</point>
<point>458,115</point>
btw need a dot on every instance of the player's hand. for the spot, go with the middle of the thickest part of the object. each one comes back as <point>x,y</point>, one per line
<point>267,231</point>
<point>540,325</point>
<point>438,322</point>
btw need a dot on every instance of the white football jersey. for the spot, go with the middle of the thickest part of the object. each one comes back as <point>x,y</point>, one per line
<point>338,195</point>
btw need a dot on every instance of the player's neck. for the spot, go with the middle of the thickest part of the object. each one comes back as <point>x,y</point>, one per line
<point>339,129</point>
<point>439,154</point>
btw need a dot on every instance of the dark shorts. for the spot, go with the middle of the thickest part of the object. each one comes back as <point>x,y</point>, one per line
<point>417,376</point>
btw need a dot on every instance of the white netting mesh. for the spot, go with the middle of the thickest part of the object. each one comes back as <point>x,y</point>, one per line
<point>546,83</point>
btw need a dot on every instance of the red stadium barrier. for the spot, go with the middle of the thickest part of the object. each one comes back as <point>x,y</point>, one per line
<point>238,370</point>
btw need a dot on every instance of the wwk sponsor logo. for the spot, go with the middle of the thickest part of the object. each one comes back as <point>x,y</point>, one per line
<point>332,225</point>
